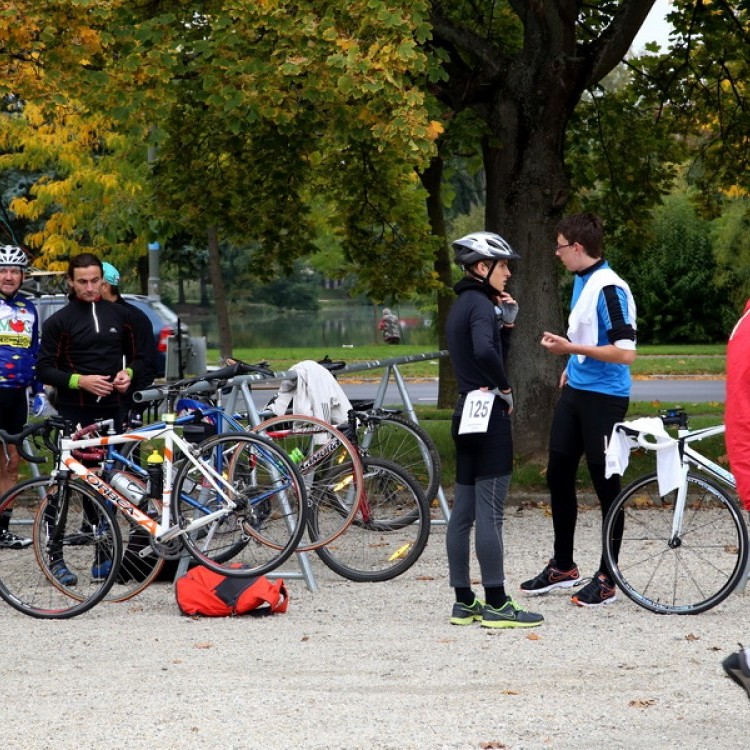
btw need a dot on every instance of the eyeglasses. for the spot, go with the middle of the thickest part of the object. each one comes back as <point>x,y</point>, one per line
<point>557,248</point>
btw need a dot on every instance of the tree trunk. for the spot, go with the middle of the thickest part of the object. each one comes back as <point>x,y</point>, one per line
<point>526,217</point>
<point>222,314</point>
<point>524,96</point>
<point>432,179</point>
<point>204,301</point>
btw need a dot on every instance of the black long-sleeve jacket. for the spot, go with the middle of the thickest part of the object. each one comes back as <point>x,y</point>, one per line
<point>88,338</point>
<point>478,347</point>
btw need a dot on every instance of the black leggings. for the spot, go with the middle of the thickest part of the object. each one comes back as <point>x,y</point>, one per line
<point>582,422</point>
<point>561,474</point>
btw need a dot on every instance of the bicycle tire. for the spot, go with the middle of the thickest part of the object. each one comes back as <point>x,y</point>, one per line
<point>687,575</point>
<point>378,546</point>
<point>26,580</point>
<point>136,573</point>
<point>335,494</point>
<point>270,516</point>
<point>406,443</point>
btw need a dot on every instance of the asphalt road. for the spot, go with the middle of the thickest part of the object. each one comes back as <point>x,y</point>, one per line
<point>671,391</point>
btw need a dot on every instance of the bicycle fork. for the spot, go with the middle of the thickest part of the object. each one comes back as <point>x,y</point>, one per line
<point>675,539</point>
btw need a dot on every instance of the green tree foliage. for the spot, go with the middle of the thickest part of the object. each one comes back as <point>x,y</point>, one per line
<point>730,235</point>
<point>297,291</point>
<point>673,280</point>
<point>252,110</point>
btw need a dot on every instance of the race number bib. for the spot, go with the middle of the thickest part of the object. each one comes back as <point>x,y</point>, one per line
<point>476,414</point>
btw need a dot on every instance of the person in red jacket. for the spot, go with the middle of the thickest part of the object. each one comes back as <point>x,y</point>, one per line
<point>737,421</point>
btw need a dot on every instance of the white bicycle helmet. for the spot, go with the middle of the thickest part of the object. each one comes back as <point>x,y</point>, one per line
<point>11,255</point>
<point>482,246</point>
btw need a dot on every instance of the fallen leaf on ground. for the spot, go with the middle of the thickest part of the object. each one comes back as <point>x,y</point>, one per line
<point>642,703</point>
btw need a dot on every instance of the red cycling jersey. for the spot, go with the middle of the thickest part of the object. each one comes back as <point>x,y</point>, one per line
<point>737,411</point>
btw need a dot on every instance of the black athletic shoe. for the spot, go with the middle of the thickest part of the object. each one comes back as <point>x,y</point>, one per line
<point>552,578</point>
<point>737,667</point>
<point>63,574</point>
<point>595,593</point>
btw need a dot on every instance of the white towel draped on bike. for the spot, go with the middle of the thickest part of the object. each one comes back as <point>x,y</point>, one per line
<point>668,462</point>
<point>316,393</point>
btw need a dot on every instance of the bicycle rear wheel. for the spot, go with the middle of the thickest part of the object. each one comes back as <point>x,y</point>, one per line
<point>319,451</point>
<point>70,526</point>
<point>686,574</point>
<point>270,505</point>
<point>407,444</point>
<point>379,545</point>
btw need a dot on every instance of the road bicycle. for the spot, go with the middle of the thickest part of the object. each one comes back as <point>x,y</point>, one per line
<point>379,537</point>
<point>236,503</point>
<point>685,551</point>
<point>368,518</point>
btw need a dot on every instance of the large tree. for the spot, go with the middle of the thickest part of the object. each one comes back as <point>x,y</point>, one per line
<point>522,68</point>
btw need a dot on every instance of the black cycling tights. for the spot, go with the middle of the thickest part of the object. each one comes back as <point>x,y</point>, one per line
<point>561,480</point>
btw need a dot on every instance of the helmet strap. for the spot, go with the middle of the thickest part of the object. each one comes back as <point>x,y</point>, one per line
<point>486,279</point>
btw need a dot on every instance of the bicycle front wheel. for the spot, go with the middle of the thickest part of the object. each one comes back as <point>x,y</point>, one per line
<point>684,573</point>
<point>244,507</point>
<point>75,550</point>
<point>379,545</point>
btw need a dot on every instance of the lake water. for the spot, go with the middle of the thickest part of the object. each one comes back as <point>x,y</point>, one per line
<point>356,325</point>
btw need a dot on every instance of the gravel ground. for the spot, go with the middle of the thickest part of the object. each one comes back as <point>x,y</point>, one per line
<point>379,666</point>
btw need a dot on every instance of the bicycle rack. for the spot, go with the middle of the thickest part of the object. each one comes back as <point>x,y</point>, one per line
<point>243,387</point>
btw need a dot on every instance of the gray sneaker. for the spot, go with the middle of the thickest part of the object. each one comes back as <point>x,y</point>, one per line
<point>465,614</point>
<point>737,666</point>
<point>510,615</point>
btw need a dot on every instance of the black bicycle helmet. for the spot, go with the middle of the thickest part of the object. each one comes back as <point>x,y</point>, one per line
<point>482,246</point>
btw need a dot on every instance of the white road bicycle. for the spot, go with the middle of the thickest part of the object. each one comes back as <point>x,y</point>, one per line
<point>683,552</point>
<point>235,502</point>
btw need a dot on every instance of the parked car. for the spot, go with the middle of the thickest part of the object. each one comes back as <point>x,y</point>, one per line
<point>165,321</point>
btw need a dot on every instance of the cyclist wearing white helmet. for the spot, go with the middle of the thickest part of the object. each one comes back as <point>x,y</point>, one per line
<point>19,344</point>
<point>484,449</point>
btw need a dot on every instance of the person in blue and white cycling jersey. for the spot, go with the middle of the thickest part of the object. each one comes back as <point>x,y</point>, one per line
<point>595,394</point>
<point>19,344</point>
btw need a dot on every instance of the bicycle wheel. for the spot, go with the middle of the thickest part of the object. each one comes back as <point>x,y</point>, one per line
<point>270,505</point>
<point>378,546</point>
<point>684,574</point>
<point>319,450</point>
<point>406,443</point>
<point>70,525</point>
<point>137,571</point>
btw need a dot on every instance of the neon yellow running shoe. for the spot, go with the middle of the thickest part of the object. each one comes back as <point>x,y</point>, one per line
<point>465,614</point>
<point>510,615</point>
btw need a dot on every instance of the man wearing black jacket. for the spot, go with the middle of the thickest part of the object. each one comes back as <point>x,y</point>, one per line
<point>89,353</point>
<point>89,350</point>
